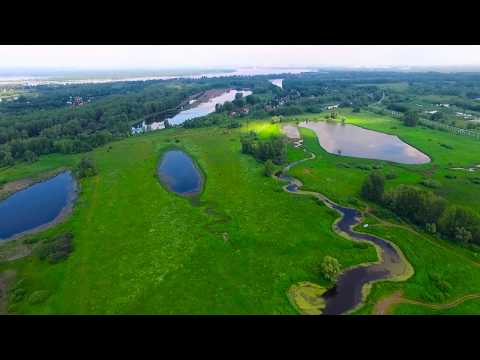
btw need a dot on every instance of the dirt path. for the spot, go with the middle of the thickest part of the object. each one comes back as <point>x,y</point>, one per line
<point>384,305</point>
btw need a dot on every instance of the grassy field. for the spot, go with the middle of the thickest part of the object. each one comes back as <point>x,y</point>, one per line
<point>443,270</point>
<point>340,177</point>
<point>140,249</point>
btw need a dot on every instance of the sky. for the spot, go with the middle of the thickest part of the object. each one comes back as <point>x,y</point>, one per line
<point>202,56</point>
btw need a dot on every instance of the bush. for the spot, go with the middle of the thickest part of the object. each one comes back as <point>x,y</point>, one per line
<point>460,224</point>
<point>474,180</point>
<point>364,167</point>
<point>373,187</point>
<point>448,176</point>
<point>269,168</point>
<point>391,175</point>
<point>56,249</point>
<point>38,297</point>
<point>446,146</point>
<point>86,168</point>
<point>330,268</point>
<point>410,118</point>
<point>430,183</point>
<point>17,295</point>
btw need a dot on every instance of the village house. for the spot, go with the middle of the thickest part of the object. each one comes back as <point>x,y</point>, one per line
<point>332,107</point>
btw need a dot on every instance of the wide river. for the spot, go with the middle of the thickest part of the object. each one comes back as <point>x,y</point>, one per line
<point>199,110</point>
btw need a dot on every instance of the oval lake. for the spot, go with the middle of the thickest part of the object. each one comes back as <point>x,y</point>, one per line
<point>178,172</point>
<point>36,206</point>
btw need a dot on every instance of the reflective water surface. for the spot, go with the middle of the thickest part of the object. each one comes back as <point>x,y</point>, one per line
<point>351,140</point>
<point>178,173</point>
<point>36,206</point>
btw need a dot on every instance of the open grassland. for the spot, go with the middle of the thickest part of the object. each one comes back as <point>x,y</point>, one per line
<point>140,249</point>
<point>443,271</point>
<point>340,177</point>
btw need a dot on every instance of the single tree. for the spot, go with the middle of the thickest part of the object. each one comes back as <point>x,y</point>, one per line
<point>330,267</point>
<point>410,118</point>
<point>269,167</point>
<point>373,187</point>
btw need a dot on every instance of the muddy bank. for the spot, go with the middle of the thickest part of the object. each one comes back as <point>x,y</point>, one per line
<point>64,209</point>
<point>17,185</point>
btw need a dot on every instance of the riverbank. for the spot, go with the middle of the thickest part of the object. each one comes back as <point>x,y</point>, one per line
<point>12,187</point>
<point>395,264</point>
<point>64,213</point>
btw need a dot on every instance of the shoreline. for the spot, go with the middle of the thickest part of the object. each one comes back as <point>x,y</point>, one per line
<point>62,215</point>
<point>408,270</point>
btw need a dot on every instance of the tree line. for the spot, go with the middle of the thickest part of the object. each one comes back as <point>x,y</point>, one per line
<point>425,209</point>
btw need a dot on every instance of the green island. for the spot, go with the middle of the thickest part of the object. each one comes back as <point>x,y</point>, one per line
<point>243,245</point>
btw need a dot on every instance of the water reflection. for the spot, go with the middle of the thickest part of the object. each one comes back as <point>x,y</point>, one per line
<point>350,140</point>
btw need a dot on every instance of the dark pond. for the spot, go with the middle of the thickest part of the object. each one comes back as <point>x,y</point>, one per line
<point>350,140</point>
<point>36,206</point>
<point>179,174</point>
<point>347,292</point>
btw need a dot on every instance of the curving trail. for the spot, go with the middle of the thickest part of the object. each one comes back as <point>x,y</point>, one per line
<point>384,306</point>
<point>353,283</point>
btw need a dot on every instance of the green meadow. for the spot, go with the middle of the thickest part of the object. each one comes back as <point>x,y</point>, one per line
<point>140,249</point>
<point>238,248</point>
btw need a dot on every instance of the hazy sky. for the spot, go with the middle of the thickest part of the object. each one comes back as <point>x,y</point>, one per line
<point>162,56</point>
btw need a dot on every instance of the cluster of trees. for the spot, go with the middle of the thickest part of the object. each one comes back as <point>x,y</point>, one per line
<point>86,168</point>
<point>28,134</point>
<point>410,118</point>
<point>330,268</point>
<point>273,148</point>
<point>425,209</point>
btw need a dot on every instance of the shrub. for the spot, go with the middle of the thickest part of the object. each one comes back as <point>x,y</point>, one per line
<point>448,176</point>
<point>391,175</point>
<point>474,180</point>
<point>17,294</point>
<point>56,249</point>
<point>373,187</point>
<point>430,183</point>
<point>269,168</point>
<point>364,167</point>
<point>86,168</point>
<point>447,146</point>
<point>460,224</point>
<point>330,268</point>
<point>38,297</point>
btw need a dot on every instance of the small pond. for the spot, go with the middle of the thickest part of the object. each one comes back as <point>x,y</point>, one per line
<point>178,172</point>
<point>351,140</point>
<point>37,206</point>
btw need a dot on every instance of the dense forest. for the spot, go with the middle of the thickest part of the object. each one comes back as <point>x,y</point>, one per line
<point>77,118</point>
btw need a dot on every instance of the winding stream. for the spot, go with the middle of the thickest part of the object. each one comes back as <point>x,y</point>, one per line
<point>349,290</point>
